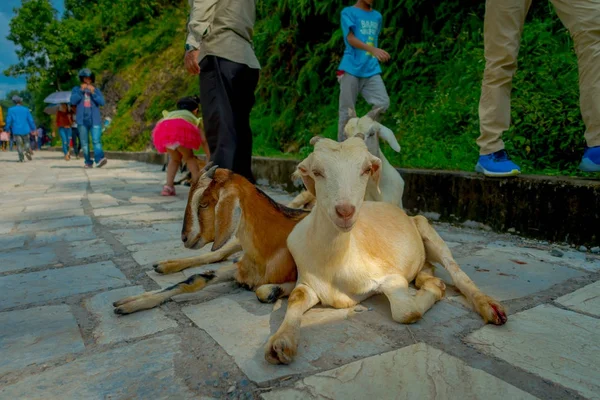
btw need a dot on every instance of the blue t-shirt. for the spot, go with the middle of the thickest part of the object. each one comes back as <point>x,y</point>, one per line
<point>366,26</point>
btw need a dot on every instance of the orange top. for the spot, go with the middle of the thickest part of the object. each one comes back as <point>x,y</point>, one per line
<point>63,119</point>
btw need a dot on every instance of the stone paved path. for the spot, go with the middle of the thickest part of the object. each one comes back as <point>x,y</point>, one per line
<point>72,241</point>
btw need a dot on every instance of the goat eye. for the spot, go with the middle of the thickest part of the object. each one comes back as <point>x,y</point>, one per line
<point>366,171</point>
<point>203,205</point>
<point>318,173</point>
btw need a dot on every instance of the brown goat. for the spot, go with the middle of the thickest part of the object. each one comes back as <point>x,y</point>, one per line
<point>222,204</point>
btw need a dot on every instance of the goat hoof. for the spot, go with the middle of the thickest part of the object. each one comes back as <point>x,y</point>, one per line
<point>281,349</point>
<point>492,311</point>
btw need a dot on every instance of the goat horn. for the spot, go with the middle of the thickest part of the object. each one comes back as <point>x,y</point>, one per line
<point>314,140</point>
<point>211,172</point>
<point>207,166</point>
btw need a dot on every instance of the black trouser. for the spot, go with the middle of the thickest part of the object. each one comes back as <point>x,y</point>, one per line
<point>76,141</point>
<point>227,97</point>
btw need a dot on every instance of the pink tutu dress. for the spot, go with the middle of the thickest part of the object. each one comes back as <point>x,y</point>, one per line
<point>177,128</point>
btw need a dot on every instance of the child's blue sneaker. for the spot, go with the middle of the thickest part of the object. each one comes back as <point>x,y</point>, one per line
<point>497,164</point>
<point>591,160</point>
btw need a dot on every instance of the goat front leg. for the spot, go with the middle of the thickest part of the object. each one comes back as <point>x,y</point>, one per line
<point>172,266</point>
<point>192,284</point>
<point>438,252</point>
<point>405,309</point>
<point>282,346</point>
<point>271,292</point>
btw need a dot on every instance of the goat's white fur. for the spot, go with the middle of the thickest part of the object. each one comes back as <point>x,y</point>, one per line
<point>391,183</point>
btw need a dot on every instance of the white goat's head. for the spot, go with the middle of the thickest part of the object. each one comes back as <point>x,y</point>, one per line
<point>337,174</point>
<point>371,129</point>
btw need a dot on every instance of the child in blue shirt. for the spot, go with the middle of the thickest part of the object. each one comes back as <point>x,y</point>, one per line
<point>359,70</point>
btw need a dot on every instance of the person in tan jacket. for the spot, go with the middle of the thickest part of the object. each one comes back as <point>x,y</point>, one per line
<point>219,47</point>
<point>503,26</point>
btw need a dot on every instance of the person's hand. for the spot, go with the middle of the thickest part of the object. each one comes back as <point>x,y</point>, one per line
<point>191,62</point>
<point>83,86</point>
<point>381,55</point>
<point>91,88</point>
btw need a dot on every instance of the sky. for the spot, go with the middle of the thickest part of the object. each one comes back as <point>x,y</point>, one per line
<point>7,48</point>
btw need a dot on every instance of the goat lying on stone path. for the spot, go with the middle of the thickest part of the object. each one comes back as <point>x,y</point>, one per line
<point>222,204</point>
<point>347,250</point>
<point>391,184</point>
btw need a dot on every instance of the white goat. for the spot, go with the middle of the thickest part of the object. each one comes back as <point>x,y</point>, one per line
<point>391,182</point>
<point>347,250</point>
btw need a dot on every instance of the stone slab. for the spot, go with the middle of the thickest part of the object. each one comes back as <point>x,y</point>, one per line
<point>65,235</point>
<point>100,200</point>
<point>12,241</point>
<point>43,215</point>
<point>327,335</point>
<point>150,256</point>
<point>6,227</point>
<point>151,199</point>
<point>144,370</point>
<point>586,299</point>
<point>571,258</point>
<point>508,276</point>
<point>53,224</point>
<point>52,206</point>
<point>36,287</point>
<point>158,232</point>
<point>138,220</point>
<point>90,248</point>
<point>176,205</point>
<point>558,345</point>
<point>414,372</point>
<point>21,259</point>
<point>37,335</point>
<point>110,211</point>
<point>112,328</point>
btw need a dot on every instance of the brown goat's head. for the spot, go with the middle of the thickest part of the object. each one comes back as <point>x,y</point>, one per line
<point>213,211</point>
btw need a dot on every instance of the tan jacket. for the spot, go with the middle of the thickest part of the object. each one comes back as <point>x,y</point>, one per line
<point>223,28</point>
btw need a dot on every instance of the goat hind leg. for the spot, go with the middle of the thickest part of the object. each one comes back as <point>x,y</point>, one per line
<point>431,288</point>
<point>271,292</point>
<point>172,266</point>
<point>437,251</point>
<point>192,284</point>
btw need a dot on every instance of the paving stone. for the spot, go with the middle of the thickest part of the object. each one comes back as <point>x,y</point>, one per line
<point>65,235</point>
<point>6,227</point>
<point>35,287</point>
<point>21,259</point>
<point>414,372</point>
<point>100,200</point>
<point>43,215</point>
<point>327,335</point>
<point>52,206</point>
<point>144,370</point>
<point>139,220</point>
<point>558,345</point>
<point>176,205</point>
<point>158,232</point>
<point>148,257</point>
<point>455,235</point>
<point>12,241</point>
<point>53,224</point>
<point>571,258</point>
<point>112,328</point>
<point>508,276</point>
<point>90,248</point>
<point>103,212</point>
<point>586,299</point>
<point>151,199</point>
<point>37,335</point>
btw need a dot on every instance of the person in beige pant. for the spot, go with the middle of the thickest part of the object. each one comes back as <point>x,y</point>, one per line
<point>503,26</point>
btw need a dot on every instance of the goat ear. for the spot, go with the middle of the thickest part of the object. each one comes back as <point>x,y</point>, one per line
<point>315,139</point>
<point>303,172</point>
<point>387,135</point>
<point>351,113</point>
<point>228,214</point>
<point>376,171</point>
<point>375,113</point>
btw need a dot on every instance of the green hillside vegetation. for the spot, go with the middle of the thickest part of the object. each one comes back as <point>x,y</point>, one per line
<point>433,80</point>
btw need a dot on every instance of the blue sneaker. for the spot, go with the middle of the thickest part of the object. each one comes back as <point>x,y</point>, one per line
<point>591,160</point>
<point>497,164</point>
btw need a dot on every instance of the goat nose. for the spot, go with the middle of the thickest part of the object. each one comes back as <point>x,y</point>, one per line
<point>345,211</point>
<point>184,237</point>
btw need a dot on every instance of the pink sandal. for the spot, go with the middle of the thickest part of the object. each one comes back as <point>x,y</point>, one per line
<point>168,191</point>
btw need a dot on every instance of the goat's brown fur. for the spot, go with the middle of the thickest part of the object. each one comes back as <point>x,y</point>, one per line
<point>228,204</point>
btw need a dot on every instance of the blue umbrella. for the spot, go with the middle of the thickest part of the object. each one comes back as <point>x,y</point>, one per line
<point>58,98</point>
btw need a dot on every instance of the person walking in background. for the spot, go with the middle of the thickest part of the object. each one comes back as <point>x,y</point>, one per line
<point>19,122</point>
<point>4,138</point>
<point>229,70</point>
<point>63,124</point>
<point>178,134</point>
<point>33,140</point>
<point>359,71</point>
<point>503,26</point>
<point>88,99</point>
